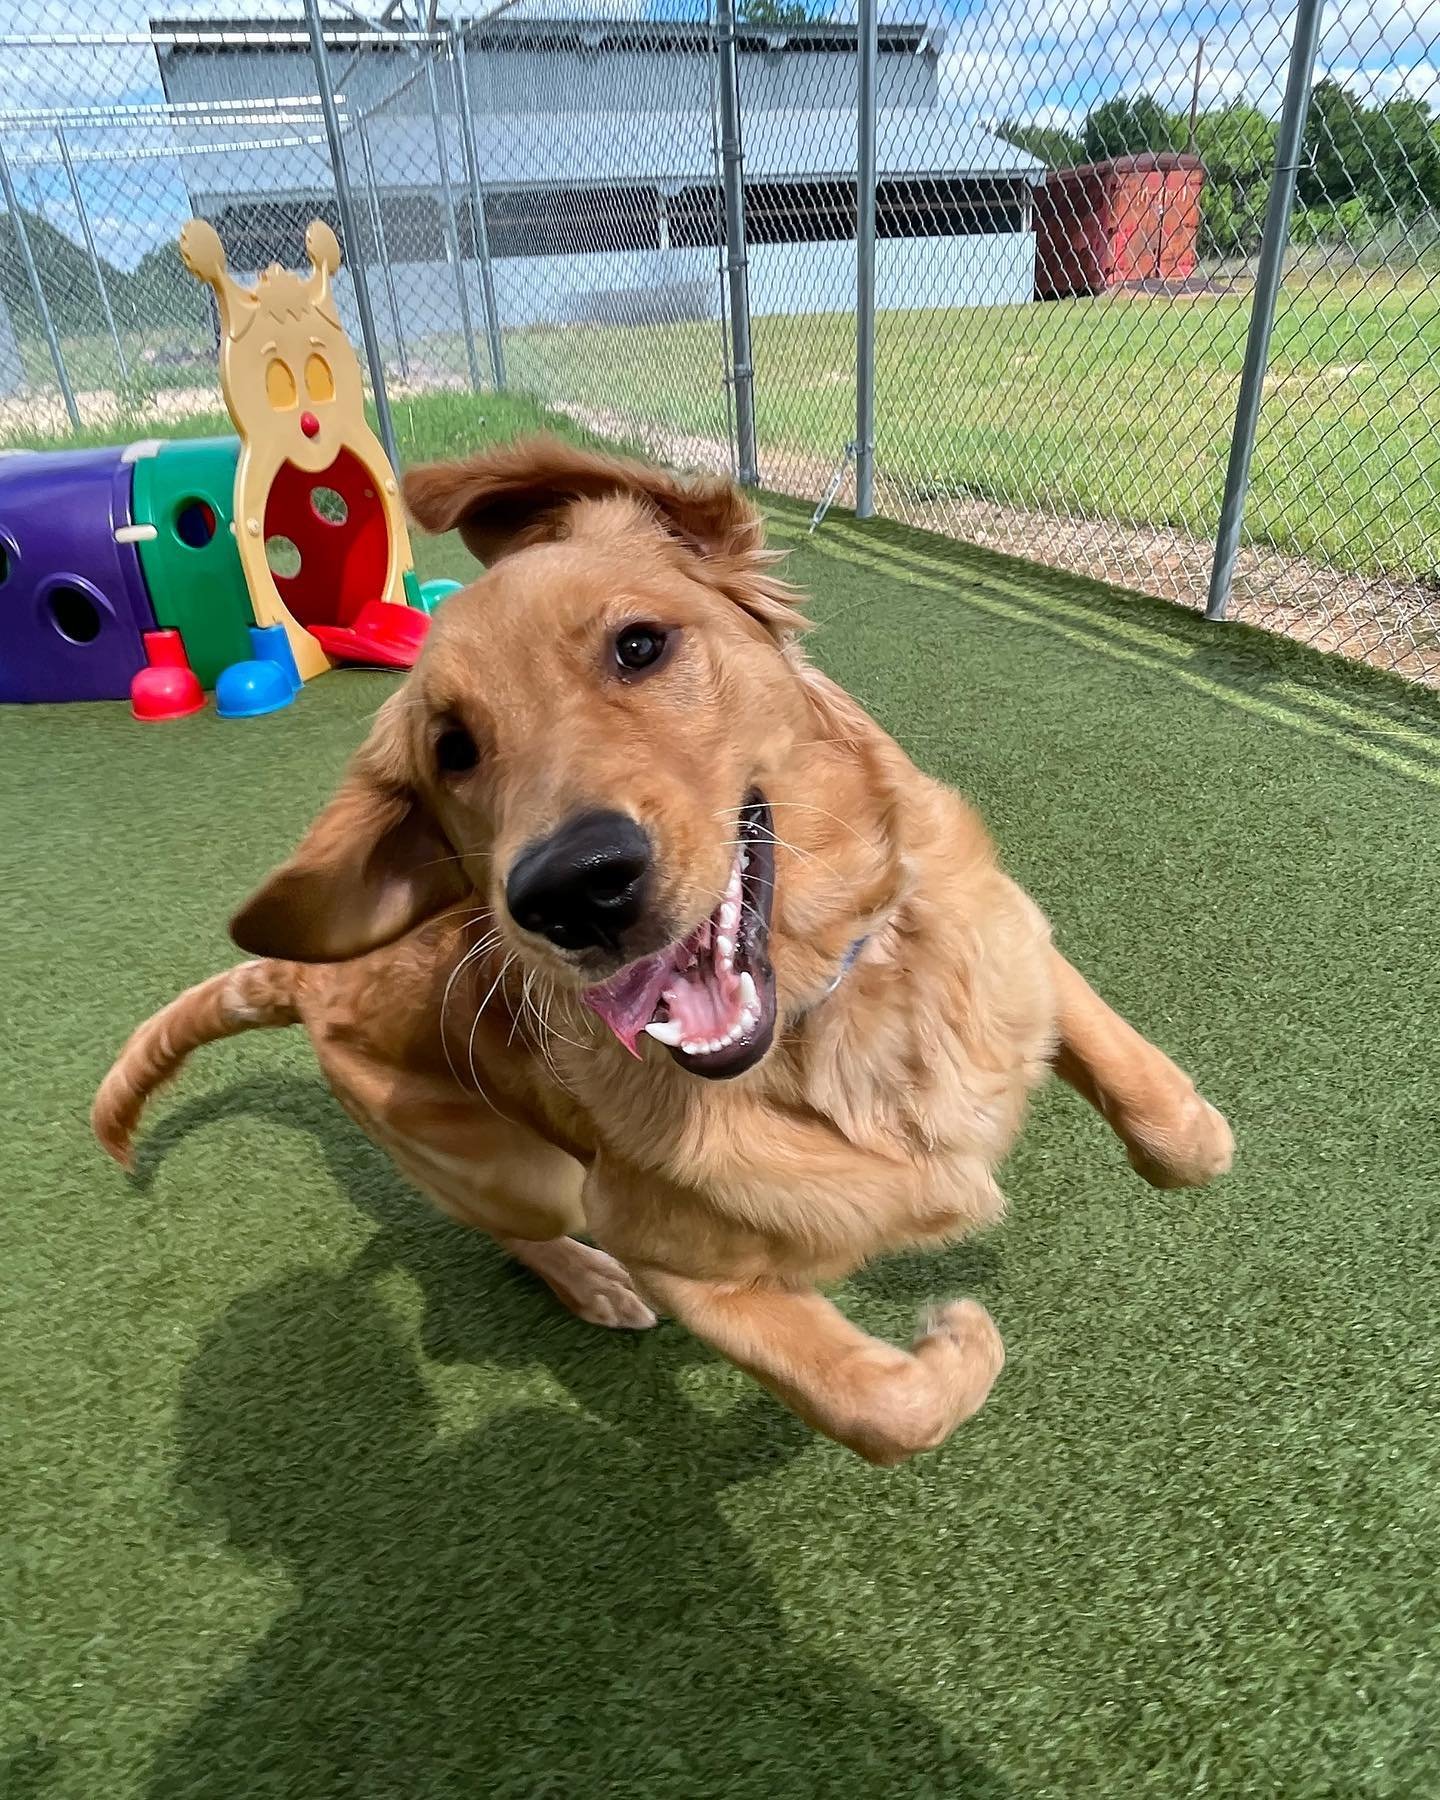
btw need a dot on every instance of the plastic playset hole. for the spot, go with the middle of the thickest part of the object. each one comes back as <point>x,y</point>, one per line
<point>74,615</point>
<point>195,523</point>
<point>283,556</point>
<point>329,506</point>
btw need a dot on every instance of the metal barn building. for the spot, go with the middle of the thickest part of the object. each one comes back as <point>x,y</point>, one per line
<point>598,170</point>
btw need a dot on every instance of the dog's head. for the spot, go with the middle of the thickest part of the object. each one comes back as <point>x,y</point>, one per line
<point>587,742</point>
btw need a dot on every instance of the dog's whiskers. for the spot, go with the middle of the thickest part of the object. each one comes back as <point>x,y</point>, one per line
<point>460,856</point>
<point>824,812</point>
<point>546,1051</point>
<point>474,1028</point>
<point>515,1023</point>
<point>464,915</point>
<point>476,950</point>
<point>779,843</point>
<point>487,943</point>
<point>554,999</point>
<point>542,1033</point>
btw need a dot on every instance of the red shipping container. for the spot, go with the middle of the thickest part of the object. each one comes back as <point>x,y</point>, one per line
<point>1134,218</point>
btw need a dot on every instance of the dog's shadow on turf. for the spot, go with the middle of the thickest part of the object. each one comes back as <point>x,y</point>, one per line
<point>541,1597</point>
<point>459,1271</point>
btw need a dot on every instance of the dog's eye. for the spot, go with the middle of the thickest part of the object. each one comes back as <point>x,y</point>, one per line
<point>455,751</point>
<point>640,646</point>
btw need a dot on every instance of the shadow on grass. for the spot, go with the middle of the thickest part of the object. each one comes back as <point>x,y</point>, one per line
<point>1247,661</point>
<point>550,1603</point>
<point>25,1771</point>
<point>454,1268</point>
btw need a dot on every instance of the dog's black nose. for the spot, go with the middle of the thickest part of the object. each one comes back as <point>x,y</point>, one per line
<point>584,884</point>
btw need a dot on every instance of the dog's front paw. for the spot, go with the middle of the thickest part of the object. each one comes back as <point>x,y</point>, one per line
<point>959,1341</point>
<point>1188,1150</point>
<point>966,1325</point>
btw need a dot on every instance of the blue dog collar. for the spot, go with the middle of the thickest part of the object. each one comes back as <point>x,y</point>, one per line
<point>847,963</point>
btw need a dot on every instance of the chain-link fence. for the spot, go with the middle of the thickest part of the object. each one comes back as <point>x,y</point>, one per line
<point>1092,425</point>
<point>1143,280</point>
<point>533,204</point>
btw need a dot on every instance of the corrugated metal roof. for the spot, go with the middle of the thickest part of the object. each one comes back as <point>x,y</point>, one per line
<point>672,149</point>
<point>556,148</point>
<point>548,31</point>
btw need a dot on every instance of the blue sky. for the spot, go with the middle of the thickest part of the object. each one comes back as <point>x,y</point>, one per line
<point>1046,60</point>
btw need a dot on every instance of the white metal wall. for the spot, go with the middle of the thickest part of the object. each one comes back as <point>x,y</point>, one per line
<point>665,285</point>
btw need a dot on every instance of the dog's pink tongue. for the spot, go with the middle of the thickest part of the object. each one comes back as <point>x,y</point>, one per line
<point>626,1002</point>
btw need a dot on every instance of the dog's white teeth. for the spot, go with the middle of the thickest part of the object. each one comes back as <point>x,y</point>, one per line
<point>749,999</point>
<point>729,917</point>
<point>726,946</point>
<point>669,1033</point>
<point>748,1020</point>
<point>693,1049</point>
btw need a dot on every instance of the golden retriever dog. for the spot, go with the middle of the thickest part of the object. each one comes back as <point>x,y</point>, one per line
<point>628,925</point>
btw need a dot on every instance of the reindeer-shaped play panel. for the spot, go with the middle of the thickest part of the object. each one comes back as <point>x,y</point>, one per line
<point>318,522</point>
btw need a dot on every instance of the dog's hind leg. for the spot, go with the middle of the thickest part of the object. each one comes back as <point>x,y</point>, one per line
<point>1174,1137</point>
<point>591,1284</point>
<point>504,1179</point>
<point>489,1171</point>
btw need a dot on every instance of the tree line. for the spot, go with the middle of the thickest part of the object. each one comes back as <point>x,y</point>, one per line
<point>156,293</point>
<point>1362,168</point>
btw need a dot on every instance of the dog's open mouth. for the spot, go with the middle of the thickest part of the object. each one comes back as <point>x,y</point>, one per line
<point>710,999</point>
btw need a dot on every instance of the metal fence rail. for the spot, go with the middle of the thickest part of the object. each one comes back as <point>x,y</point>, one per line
<point>1149,294</point>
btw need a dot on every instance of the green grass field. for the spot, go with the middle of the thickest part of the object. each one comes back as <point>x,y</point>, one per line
<point>306,1494</point>
<point>1118,409</point>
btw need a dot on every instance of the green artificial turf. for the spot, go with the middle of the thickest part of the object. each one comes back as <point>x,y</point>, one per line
<point>306,1493</point>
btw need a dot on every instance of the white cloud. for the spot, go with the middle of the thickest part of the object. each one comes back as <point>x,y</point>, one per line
<point>1420,81</point>
<point>1053,61</point>
<point>1056,117</point>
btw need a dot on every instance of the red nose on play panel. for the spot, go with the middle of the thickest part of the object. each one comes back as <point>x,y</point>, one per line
<point>309,424</point>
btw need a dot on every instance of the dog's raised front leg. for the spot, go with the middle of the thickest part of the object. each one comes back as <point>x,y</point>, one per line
<point>1174,1137</point>
<point>884,1403</point>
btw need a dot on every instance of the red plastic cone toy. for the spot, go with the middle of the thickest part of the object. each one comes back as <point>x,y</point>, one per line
<point>167,688</point>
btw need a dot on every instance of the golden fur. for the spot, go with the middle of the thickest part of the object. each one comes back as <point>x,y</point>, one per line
<point>458,1042</point>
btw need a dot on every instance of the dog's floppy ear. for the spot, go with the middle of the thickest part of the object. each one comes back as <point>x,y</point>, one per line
<point>372,866</point>
<point>506,499</point>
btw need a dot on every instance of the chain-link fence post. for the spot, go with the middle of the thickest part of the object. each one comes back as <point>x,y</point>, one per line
<point>867,65</point>
<point>382,248</point>
<point>736,252</point>
<point>42,309</point>
<point>479,229</point>
<point>1269,270</point>
<point>320,57</point>
<point>90,250</point>
<point>452,230</point>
